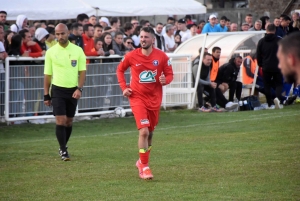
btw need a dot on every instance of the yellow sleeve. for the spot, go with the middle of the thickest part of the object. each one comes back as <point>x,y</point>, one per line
<point>82,61</point>
<point>48,64</point>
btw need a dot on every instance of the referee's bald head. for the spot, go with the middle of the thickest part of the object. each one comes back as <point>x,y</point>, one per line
<point>61,26</point>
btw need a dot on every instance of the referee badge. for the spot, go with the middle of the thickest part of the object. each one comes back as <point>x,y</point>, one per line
<point>73,63</point>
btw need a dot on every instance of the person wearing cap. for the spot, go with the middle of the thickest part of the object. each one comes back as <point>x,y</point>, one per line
<point>222,25</point>
<point>193,29</point>
<point>104,22</point>
<point>50,41</point>
<point>183,30</point>
<point>211,25</point>
<point>245,26</point>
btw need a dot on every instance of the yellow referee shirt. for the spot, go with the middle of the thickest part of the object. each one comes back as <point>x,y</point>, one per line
<point>64,63</point>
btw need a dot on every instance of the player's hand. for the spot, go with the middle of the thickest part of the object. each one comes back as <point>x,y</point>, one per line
<point>47,103</point>
<point>127,92</point>
<point>162,80</point>
<point>76,94</point>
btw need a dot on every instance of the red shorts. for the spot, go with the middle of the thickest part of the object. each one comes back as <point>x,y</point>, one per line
<point>144,117</point>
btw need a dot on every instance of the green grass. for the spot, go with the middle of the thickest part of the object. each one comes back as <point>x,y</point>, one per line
<point>251,155</point>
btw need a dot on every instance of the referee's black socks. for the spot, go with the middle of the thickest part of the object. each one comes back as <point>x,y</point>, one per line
<point>68,133</point>
<point>61,137</point>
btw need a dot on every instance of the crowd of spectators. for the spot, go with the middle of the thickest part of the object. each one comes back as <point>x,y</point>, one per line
<point>108,36</point>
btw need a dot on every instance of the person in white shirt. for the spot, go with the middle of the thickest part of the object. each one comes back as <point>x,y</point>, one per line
<point>193,29</point>
<point>184,31</point>
<point>169,38</point>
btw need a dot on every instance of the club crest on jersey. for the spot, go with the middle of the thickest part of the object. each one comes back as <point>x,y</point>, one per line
<point>73,63</point>
<point>155,63</point>
<point>147,76</point>
<point>169,62</point>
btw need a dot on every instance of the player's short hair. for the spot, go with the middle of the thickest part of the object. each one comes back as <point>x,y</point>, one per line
<point>86,27</point>
<point>3,12</point>
<point>271,28</point>
<point>82,17</point>
<point>215,49</point>
<point>148,30</point>
<point>291,44</point>
<point>118,33</point>
<point>206,53</point>
<point>127,26</point>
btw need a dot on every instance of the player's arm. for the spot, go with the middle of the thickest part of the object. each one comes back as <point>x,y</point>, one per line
<point>122,67</point>
<point>47,79</point>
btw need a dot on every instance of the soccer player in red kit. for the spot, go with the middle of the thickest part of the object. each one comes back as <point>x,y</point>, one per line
<point>150,69</point>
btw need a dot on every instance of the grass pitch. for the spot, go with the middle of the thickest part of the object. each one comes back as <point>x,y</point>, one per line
<point>251,155</point>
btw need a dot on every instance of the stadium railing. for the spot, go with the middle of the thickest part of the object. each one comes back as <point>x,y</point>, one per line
<point>23,94</point>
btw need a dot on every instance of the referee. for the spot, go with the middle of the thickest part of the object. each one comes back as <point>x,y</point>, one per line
<point>63,62</point>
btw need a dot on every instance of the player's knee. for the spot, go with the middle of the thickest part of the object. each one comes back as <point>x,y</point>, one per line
<point>61,120</point>
<point>144,132</point>
<point>69,122</point>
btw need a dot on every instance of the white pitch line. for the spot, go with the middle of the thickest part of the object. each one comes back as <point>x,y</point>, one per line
<point>166,128</point>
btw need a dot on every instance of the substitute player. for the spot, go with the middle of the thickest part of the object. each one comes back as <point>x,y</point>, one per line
<point>63,62</point>
<point>150,70</point>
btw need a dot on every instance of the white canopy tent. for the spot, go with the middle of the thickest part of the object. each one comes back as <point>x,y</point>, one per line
<point>66,9</point>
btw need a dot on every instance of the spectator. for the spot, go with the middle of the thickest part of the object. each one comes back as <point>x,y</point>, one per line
<point>51,24</point>
<point>134,23</point>
<point>266,58</point>
<point>51,38</point>
<point>3,15</point>
<point>193,29</point>
<point>145,23</point>
<point>177,38</point>
<point>43,24</point>
<point>216,53</point>
<point>36,24</point>
<point>228,24</point>
<point>136,36</point>
<point>98,48</point>
<point>245,27</point>
<point>21,23</point>
<point>118,45</point>
<point>128,43</point>
<point>233,27</point>
<point>76,32</point>
<point>183,30</point>
<point>115,26</point>
<point>248,20</point>
<point>296,25</point>
<point>205,84</point>
<point>104,22</point>
<point>279,31</point>
<point>211,25</point>
<point>98,30</point>
<point>87,37</point>
<point>227,76</point>
<point>29,46</point>
<point>82,19</point>
<point>93,20</point>
<point>284,25</point>
<point>41,35</point>
<point>159,39</point>
<point>170,20</point>
<point>295,17</point>
<point>188,19</point>
<point>128,29</point>
<point>169,38</point>
<point>257,26</point>
<point>200,26</point>
<point>107,44</point>
<point>264,20</point>
<point>7,39</point>
<point>32,30</point>
<point>222,25</point>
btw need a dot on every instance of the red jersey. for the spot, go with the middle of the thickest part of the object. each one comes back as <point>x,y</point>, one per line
<point>34,50</point>
<point>145,73</point>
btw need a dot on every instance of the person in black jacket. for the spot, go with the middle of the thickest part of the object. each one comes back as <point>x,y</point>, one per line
<point>266,58</point>
<point>227,76</point>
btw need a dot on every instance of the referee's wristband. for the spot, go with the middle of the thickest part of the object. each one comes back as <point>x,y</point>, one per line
<point>47,97</point>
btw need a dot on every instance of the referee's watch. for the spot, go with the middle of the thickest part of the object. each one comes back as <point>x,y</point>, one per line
<point>80,89</point>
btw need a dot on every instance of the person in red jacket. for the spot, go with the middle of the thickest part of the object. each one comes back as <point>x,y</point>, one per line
<point>28,45</point>
<point>88,41</point>
<point>150,69</point>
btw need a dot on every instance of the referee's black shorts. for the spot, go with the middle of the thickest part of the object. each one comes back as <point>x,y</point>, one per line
<point>62,101</point>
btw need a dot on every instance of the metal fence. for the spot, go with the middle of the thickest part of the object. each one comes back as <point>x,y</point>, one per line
<point>22,89</point>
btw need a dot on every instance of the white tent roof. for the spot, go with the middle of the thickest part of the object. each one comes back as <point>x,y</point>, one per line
<point>66,9</point>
